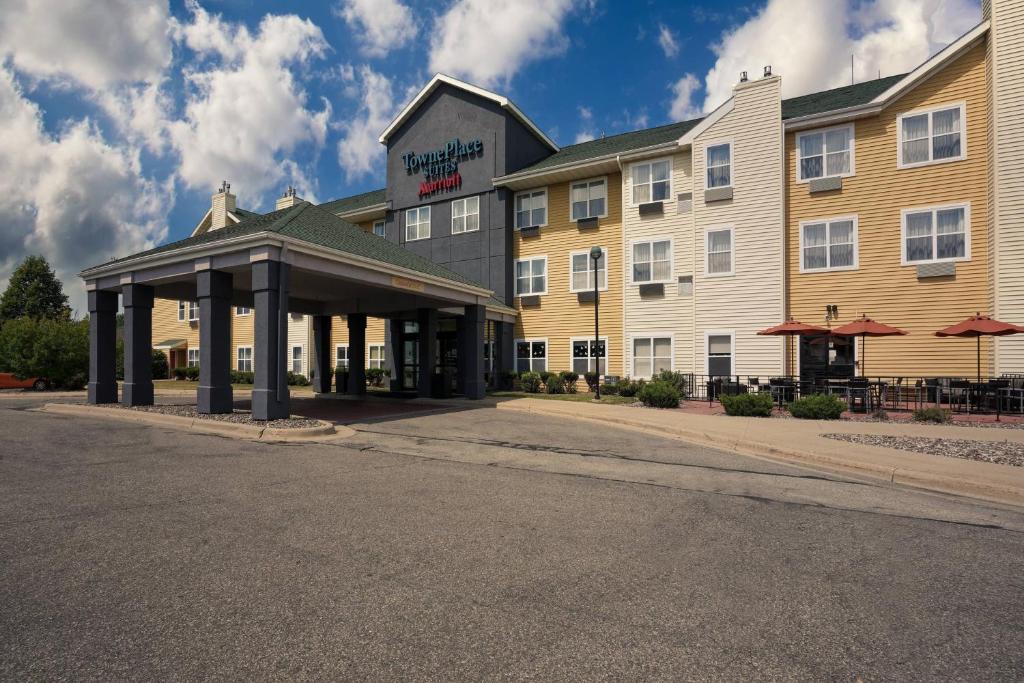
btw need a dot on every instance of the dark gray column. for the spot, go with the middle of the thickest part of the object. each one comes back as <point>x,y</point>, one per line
<point>102,347</point>
<point>270,398</point>
<point>504,349</point>
<point>472,348</point>
<point>427,318</point>
<point>460,355</point>
<point>213,291</point>
<point>393,351</point>
<point>138,345</point>
<point>323,354</point>
<point>357,353</point>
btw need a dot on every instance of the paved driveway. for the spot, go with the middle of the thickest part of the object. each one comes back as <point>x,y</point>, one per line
<point>477,544</point>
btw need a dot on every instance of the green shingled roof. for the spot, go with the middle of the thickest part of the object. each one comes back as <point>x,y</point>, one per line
<point>359,201</point>
<point>316,226</point>
<point>837,98</point>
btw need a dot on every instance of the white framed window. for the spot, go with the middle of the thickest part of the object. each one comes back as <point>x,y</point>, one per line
<point>719,352</point>
<point>244,363</point>
<point>532,208</point>
<point>532,276</point>
<point>930,136</point>
<point>182,311</point>
<point>242,310</point>
<point>297,360</point>
<point>193,357</point>
<point>531,355</point>
<point>652,181</point>
<point>417,223</point>
<point>341,356</point>
<point>582,271</point>
<point>826,153</point>
<point>188,310</point>
<point>378,228</point>
<point>828,244</point>
<point>935,234</point>
<point>652,261</point>
<point>718,259</point>
<point>718,165</point>
<point>652,353</point>
<point>375,356</point>
<point>589,199</point>
<point>586,353</point>
<point>465,215</point>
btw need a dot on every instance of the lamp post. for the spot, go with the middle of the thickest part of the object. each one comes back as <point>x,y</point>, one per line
<point>595,256</point>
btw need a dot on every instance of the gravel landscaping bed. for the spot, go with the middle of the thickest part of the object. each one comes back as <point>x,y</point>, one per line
<point>999,452</point>
<point>237,417</point>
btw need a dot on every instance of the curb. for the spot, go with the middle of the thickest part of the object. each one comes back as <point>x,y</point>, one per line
<point>1004,494</point>
<point>200,426</point>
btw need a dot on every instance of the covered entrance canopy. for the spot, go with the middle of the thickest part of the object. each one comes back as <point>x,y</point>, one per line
<point>300,259</point>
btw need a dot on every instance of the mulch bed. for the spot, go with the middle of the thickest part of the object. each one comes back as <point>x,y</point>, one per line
<point>998,452</point>
<point>237,417</point>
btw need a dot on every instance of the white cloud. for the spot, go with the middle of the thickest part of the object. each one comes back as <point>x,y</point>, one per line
<point>487,41</point>
<point>245,113</point>
<point>380,25</point>
<point>684,93</point>
<point>809,42</point>
<point>667,41</point>
<point>587,132</point>
<point>71,197</point>
<point>359,150</point>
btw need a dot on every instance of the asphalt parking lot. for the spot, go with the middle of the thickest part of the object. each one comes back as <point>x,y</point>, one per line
<point>474,544</point>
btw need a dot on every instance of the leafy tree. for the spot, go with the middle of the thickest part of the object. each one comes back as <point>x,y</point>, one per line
<point>35,292</point>
<point>56,350</point>
<point>158,362</point>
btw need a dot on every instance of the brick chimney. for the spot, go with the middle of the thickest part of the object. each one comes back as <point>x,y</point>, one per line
<point>222,204</point>
<point>289,198</point>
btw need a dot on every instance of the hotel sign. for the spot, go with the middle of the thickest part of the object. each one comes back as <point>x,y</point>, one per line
<point>440,167</point>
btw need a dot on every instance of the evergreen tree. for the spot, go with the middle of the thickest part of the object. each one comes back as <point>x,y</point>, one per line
<point>34,292</point>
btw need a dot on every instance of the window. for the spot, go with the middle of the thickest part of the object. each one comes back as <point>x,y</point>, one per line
<point>719,165</point>
<point>341,356</point>
<point>531,208</point>
<point>652,182</point>
<point>829,244</point>
<point>378,228</point>
<point>651,355</point>
<point>244,359</point>
<point>652,261</point>
<point>193,358</point>
<point>932,136</point>
<point>589,199</point>
<point>417,224</point>
<point>181,311</point>
<point>720,351</point>
<point>375,357</point>
<point>936,234</point>
<point>466,215</point>
<point>585,353</point>
<point>719,256</point>
<point>242,310</point>
<point>532,276</point>
<point>297,360</point>
<point>531,355</point>
<point>189,310</point>
<point>825,153</point>
<point>583,271</point>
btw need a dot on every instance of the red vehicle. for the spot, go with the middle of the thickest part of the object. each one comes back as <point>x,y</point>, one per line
<point>9,381</point>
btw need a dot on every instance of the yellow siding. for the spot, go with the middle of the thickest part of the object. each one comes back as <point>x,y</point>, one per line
<point>166,326</point>
<point>241,334</point>
<point>881,287</point>
<point>560,317</point>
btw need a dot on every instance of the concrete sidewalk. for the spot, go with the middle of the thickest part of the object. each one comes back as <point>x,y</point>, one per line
<point>802,442</point>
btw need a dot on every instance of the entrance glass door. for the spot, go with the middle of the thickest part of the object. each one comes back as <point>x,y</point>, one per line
<point>410,355</point>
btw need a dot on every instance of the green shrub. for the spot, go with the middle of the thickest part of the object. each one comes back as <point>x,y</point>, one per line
<point>160,366</point>
<point>297,380</point>
<point>933,414</point>
<point>748,405</point>
<point>676,379</point>
<point>507,379</point>
<point>530,382</point>
<point>375,376</point>
<point>545,375</point>
<point>242,377</point>
<point>630,388</point>
<point>554,385</point>
<point>569,380</point>
<point>179,373</point>
<point>658,394</point>
<point>192,373</point>
<point>591,378</point>
<point>818,407</point>
<point>610,389</point>
<point>341,377</point>
<point>56,350</point>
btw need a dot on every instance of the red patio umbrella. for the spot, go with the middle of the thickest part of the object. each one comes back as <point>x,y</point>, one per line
<point>866,327</point>
<point>793,328</point>
<point>979,326</point>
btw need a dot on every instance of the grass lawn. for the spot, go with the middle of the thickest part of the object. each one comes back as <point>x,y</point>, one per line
<point>582,396</point>
<point>185,385</point>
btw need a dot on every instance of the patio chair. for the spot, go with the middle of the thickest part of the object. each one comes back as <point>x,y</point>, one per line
<point>959,395</point>
<point>896,393</point>
<point>858,395</point>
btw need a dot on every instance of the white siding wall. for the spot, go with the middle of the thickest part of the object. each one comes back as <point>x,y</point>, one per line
<point>671,313</point>
<point>752,298</point>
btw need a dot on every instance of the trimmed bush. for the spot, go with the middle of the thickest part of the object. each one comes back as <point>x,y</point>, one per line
<point>179,373</point>
<point>610,389</point>
<point>530,382</point>
<point>569,380</point>
<point>934,414</point>
<point>297,380</point>
<point>818,407</point>
<point>241,377</point>
<point>630,388</point>
<point>748,405</point>
<point>546,374</point>
<point>658,394</point>
<point>676,379</point>
<point>375,376</point>
<point>591,378</point>
<point>507,379</point>
<point>554,385</point>
<point>192,373</point>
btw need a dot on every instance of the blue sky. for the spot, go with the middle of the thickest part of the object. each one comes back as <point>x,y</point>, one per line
<point>123,116</point>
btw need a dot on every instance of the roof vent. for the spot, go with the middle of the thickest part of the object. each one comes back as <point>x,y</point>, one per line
<point>743,77</point>
<point>768,71</point>
<point>225,187</point>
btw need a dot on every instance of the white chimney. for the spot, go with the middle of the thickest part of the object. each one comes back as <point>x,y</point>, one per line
<point>289,198</point>
<point>222,204</point>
